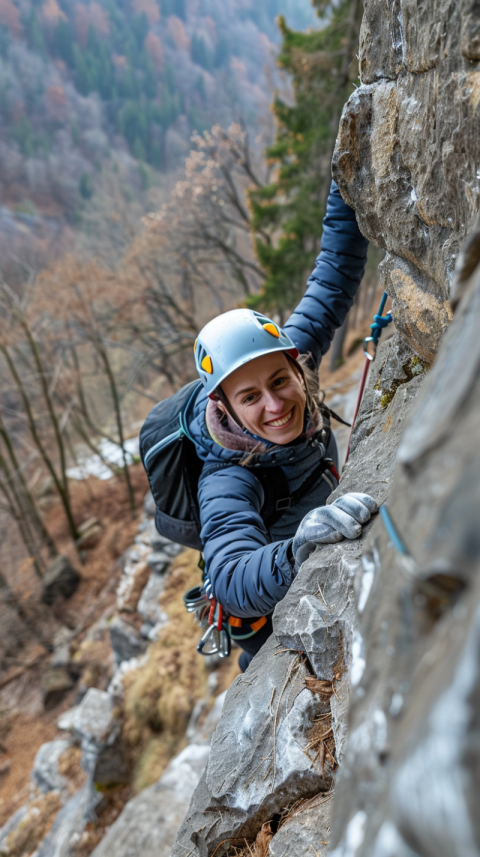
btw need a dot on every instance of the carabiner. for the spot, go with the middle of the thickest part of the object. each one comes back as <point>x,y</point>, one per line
<point>225,644</point>
<point>208,633</point>
<point>193,598</point>
<point>365,347</point>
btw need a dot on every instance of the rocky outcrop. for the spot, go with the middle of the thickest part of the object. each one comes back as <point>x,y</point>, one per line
<point>408,152</point>
<point>148,823</point>
<point>82,783</point>
<point>355,730</point>
<point>409,782</point>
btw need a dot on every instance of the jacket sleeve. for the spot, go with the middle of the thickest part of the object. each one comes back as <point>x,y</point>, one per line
<point>334,282</point>
<point>248,573</point>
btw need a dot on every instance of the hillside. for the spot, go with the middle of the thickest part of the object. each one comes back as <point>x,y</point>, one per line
<point>122,84</point>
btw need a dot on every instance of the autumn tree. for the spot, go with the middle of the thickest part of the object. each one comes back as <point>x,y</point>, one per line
<point>34,420</point>
<point>208,218</point>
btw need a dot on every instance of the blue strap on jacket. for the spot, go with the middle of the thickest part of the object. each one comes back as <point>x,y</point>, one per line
<point>334,282</point>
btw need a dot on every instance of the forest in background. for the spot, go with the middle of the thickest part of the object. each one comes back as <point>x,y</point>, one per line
<point>84,86</point>
<point>92,339</point>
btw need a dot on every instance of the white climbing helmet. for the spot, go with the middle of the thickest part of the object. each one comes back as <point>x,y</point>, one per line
<point>235,338</point>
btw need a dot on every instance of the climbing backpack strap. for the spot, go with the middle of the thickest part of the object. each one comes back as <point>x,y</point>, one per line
<point>326,410</point>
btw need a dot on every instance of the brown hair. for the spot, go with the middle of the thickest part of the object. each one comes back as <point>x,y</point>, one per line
<point>311,380</point>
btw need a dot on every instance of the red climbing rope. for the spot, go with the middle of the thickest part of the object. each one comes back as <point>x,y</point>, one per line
<point>379,322</point>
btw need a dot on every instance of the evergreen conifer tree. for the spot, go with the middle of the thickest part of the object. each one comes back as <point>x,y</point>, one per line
<point>287,214</point>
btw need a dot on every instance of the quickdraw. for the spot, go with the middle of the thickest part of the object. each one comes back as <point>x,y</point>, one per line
<point>380,321</point>
<point>216,639</point>
<point>220,629</point>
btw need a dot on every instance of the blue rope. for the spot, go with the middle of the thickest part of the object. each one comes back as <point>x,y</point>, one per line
<point>391,531</point>
<point>380,321</point>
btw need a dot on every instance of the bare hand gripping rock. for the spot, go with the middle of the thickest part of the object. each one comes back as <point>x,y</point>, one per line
<point>342,519</point>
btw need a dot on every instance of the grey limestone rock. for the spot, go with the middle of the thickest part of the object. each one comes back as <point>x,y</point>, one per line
<point>409,783</point>
<point>148,605</point>
<point>96,725</point>
<point>13,822</point>
<point>126,642</point>
<point>259,759</point>
<point>45,774</point>
<point>94,718</point>
<point>201,728</point>
<point>408,152</point>
<point>158,561</point>
<point>148,824</point>
<point>307,831</point>
<point>68,826</point>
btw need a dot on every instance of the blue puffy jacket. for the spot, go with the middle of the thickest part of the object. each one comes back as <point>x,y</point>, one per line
<point>248,565</point>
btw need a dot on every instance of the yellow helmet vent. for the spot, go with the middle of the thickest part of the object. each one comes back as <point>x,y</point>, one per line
<point>271,328</point>
<point>207,365</point>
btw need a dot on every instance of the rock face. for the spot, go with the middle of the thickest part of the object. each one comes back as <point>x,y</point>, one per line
<point>409,784</point>
<point>125,641</point>
<point>408,152</point>
<point>364,705</point>
<point>45,774</point>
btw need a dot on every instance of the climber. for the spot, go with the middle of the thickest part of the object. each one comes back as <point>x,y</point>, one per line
<point>259,409</point>
<point>242,463</point>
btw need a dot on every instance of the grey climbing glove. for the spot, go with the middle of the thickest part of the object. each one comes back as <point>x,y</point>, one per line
<point>342,519</point>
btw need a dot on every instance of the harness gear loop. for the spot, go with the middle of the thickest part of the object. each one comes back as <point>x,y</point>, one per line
<point>380,321</point>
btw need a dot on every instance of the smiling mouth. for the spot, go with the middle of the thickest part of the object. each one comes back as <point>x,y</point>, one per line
<point>281,421</point>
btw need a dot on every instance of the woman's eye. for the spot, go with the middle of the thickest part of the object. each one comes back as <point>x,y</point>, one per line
<point>279,381</point>
<point>248,399</point>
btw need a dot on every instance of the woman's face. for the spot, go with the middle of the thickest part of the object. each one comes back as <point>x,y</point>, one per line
<point>268,397</point>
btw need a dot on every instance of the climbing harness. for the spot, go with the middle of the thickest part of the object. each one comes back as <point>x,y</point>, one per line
<point>219,629</point>
<point>380,321</point>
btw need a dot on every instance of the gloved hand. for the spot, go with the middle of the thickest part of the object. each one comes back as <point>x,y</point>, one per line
<point>343,519</point>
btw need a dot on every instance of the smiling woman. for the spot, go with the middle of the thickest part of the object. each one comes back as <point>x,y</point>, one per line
<point>268,462</point>
<point>268,397</point>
